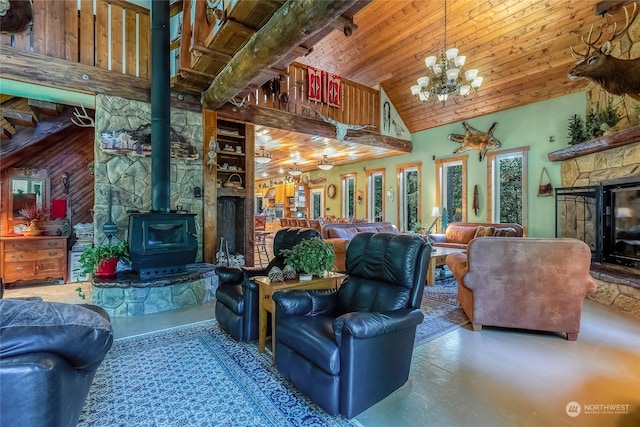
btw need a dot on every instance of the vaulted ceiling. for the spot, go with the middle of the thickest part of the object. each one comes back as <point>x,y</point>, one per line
<point>520,47</point>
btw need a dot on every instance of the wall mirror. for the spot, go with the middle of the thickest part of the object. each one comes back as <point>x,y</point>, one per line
<point>23,188</point>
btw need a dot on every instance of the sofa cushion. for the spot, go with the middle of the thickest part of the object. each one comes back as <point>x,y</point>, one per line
<point>79,334</point>
<point>343,233</point>
<point>505,232</point>
<point>485,231</point>
<point>461,233</point>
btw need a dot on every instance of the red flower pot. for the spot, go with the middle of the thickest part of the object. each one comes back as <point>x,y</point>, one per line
<point>107,268</point>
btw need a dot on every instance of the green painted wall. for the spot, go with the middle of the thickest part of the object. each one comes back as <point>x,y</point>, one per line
<point>530,125</point>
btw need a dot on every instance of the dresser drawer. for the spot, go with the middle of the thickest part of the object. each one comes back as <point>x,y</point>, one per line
<point>18,271</point>
<point>30,245</point>
<point>41,254</point>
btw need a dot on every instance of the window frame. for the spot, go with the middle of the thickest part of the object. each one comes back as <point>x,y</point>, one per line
<point>440,182</point>
<point>401,171</point>
<point>369,195</point>
<point>344,194</point>
<point>492,157</point>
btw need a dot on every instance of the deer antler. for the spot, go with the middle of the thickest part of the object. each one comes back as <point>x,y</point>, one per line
<point>341,128</point>
<point>628,22</point>
<point>82,117</point>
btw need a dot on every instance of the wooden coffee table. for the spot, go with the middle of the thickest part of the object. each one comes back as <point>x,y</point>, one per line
<point>438,257</point>
<point>266,304</point>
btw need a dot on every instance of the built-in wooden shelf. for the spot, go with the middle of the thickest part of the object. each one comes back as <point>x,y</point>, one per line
<point>618,139</point>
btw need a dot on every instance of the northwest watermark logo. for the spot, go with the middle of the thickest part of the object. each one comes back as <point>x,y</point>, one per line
<point>573,409</point>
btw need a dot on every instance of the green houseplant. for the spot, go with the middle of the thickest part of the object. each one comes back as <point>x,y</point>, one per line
<point>313,256</point>
<point>101,260</point>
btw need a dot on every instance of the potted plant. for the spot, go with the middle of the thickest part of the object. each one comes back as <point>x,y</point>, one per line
<point>313,257</point>
<point>101,260</point>
<point>33,214</point>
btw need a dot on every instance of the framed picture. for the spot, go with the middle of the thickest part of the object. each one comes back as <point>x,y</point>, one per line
<point>331,191</point>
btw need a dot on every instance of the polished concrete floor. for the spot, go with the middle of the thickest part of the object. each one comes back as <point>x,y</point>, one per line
<point>496,377</point>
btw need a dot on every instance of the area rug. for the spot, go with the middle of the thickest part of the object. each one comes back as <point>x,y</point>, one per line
<point>194,375</point>
<point>442,313</point>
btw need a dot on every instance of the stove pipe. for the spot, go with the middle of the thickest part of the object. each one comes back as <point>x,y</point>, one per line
<point>160,107</point>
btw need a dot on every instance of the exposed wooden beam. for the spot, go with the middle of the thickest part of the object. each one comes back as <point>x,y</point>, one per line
<point>19,117</point>
<point>30,136</point>
<point>345,25</point>
<point>175,8</point>
<point>45,107</point>
<point>44,70</point>
<point>302,124</point>
<point>289,27</point>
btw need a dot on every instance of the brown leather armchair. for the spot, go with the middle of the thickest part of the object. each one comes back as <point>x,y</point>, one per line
<point>525,283</point>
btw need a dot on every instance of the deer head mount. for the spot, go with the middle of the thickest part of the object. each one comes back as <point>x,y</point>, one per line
<point>616,76</point>
<point>473,139</point>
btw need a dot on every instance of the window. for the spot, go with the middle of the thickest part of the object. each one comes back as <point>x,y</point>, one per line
<point>451,187</point>
<point>409,206</point>
<point>317,203</point>
<point>375,195</point>
<point>348,195</point>
<point>507,186</point>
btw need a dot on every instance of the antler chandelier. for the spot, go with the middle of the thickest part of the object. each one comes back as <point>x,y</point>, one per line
<point>446,76</point>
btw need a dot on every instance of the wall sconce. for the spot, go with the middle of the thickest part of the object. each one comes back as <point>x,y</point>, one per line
<point>360,197</point>
<point>65,183</point>
<point>390,194</point>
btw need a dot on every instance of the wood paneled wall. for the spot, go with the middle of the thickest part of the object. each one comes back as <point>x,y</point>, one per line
<point>70,151</point>
<point>115,38</point>
<point>360,105</point>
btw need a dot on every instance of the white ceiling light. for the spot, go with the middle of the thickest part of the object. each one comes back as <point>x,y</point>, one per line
<point>262,156</point>
<point>295,170</point>
<point>324,163</point>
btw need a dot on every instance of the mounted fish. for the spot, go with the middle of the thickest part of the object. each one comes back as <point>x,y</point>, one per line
<point>473,139</point>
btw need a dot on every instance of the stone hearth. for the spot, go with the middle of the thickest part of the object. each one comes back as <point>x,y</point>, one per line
<point>127,295</point>
<point>617,287</point>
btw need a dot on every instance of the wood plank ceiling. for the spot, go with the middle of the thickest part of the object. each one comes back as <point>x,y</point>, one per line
<point>520,47</point>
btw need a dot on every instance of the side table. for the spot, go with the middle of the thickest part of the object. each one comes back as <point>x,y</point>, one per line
<point>266,304</point>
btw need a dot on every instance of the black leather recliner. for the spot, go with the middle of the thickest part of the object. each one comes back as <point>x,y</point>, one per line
<point>237,295</point>
<point>350,348</point>
<point>49,354</point>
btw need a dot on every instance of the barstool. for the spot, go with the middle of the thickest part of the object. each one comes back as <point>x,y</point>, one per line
<point>261,246</point>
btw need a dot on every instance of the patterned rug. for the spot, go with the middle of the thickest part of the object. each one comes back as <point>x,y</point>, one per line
<point>195,375</point>
<point>442,313</point>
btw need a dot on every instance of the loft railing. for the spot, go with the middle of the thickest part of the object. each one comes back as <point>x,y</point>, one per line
<point>113,35</point>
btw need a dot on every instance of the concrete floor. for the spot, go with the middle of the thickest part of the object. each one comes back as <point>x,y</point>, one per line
<point>496,377</point>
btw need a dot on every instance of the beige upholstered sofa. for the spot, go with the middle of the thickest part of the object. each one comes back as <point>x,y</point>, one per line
<point>526,283</point>
<point>340,234</point>
<point>459,234</point>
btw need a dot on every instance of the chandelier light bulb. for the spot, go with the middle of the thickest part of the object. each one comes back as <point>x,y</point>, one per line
<point>460,60</point>
<point>262,156</point>
<point>452,74</point>
<point>476,82</point>
<point>452,53</point>
<point>464,90</point>
<point>415,90</point>
<point>423,82</point>
<point>471,74</point>
<point>430,61</point>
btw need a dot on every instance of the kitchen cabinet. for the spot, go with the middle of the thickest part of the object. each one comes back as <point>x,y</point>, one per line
<point>34,257</point>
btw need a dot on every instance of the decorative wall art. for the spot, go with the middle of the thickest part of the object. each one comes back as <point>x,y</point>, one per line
<point>332,94</point>
<point>315,84</point>
<point>138,143</point>
<point>473,139</point>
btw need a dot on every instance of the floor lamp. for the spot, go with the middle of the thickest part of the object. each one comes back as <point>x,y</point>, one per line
<point>435,212</point>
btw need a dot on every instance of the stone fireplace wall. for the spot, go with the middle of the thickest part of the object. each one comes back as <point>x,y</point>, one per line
<point>128,177</point>
<point>621,289</point>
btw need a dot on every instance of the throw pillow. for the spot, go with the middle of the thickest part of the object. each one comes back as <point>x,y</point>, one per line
<point>342,233</point>
<point>505,232</point>
<point>485,231</point>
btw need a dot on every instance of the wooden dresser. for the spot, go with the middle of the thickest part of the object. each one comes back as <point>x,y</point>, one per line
<point>38,257</point>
